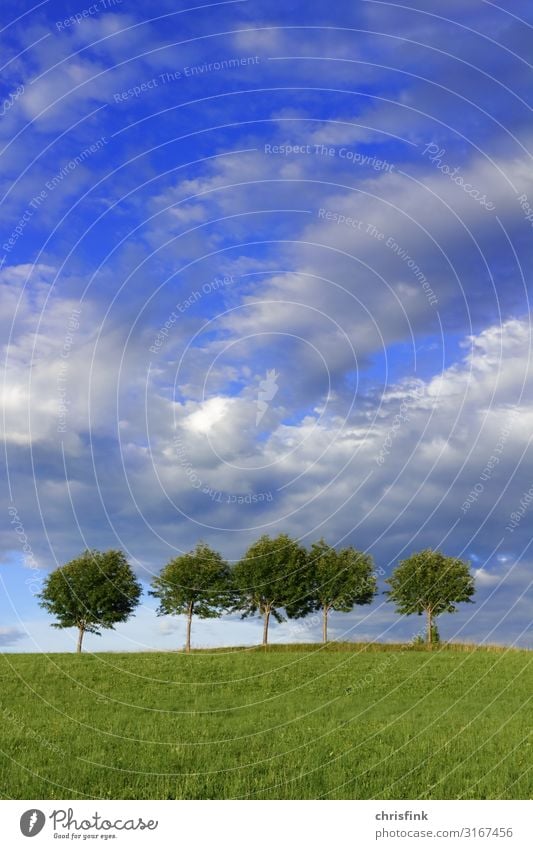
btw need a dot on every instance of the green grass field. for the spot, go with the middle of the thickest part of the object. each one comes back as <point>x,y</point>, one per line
<point>351,722</point>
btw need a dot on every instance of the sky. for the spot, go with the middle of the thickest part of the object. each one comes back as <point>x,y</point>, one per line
<point>265,268</point>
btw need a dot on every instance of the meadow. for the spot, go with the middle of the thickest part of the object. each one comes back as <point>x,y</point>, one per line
<point>300,722</point>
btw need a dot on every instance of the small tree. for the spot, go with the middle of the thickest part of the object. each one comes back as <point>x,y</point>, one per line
<point>194,584</point>
<point>96,590</point>
<point>431,583</point>
<point>342,579</point>
<point>273,575</point>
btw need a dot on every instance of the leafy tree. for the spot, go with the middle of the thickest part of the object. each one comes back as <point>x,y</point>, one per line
<point>431,583</point>
<point>194,584</point>
<point>273,575</point>
<point>96,590</point>
<point>342,579</point>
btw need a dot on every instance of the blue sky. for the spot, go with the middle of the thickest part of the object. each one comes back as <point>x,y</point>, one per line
<point>265,268</point>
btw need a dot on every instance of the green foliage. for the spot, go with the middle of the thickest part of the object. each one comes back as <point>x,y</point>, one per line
<point>342,578</point>
<point>428,580</point>
<point>273,574</point>
<point>94,591</point>
<point>197,583</point>
<point>431,583</point>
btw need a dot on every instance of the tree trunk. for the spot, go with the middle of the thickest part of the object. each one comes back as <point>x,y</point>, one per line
<point>265,625</point>
<point>324,624</point>
<point>189,623</point>
<point>429,627</point>
<point>81,631</point>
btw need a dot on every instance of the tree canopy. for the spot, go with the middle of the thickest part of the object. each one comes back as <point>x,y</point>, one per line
<point>273,576</point>
<point>195,584</point>
<point>94,591</point>
<point>342,579</point>
<point>430,582</point>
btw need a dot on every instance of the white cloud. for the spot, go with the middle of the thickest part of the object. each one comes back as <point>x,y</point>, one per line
<point>207,416</point>
<point>483,578</point>
<point>10,636</point>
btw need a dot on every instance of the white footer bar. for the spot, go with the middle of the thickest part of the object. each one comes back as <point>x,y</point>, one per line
<point>262,825</point>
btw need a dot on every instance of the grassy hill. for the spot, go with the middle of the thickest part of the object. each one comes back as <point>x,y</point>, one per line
<point>292,722</point>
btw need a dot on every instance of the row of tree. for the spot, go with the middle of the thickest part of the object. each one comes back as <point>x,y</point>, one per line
<point>277,578</point>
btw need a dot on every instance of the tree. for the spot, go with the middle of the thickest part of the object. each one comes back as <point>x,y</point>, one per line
<point>342,579</point>
<point>95,590</point>
<point>431,583</point>
<point>194,584</point>
<point>273,574</point>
